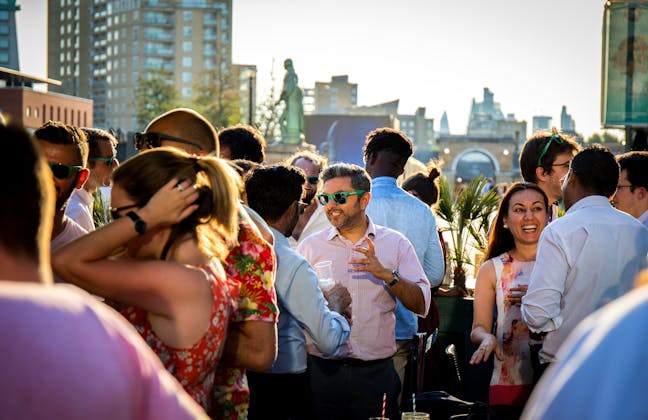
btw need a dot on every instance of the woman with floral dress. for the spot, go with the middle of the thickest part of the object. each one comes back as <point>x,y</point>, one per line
<point>501,282</point>
<point>174,220</point>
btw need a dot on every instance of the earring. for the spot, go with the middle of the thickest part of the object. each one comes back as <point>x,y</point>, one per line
<point>505,226</point>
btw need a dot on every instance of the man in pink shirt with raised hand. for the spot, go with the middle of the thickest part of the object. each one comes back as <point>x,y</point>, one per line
<point>377,265</point>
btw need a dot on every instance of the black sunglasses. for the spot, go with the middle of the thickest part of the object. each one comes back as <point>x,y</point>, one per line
<point>64,171</point>
<point>339,197</point>
<point>313,180</point>
<point>114,211</point>
<point>152,140</point>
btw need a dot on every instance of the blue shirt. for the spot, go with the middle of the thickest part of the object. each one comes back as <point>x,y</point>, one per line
<point>394,208</point>
<point>302,307</point>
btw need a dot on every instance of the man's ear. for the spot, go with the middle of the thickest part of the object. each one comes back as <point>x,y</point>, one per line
<point>364,200</point>
<point>540,173</point>
<point>82,178</point>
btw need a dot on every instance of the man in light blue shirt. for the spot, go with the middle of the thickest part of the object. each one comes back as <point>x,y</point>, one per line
<point>283,391</point>
<point>386,152</point>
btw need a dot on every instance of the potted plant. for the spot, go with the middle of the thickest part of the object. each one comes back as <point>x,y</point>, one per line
<point>467,218</point>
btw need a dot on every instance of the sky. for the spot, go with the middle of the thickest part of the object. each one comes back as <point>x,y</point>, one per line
<point>535,56</point>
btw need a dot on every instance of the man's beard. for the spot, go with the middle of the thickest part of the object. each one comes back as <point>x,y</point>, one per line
<point>61,202</point>
<point>308,198</point>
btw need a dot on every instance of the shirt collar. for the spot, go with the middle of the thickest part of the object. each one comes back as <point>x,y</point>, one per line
<point>383,180</point>
<point>589,201</point>
<point>371,231</point>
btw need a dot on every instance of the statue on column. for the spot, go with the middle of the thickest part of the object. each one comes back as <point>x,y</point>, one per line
<point>291,120</point>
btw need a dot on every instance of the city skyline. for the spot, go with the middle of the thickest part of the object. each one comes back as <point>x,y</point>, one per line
<point>535,58</point>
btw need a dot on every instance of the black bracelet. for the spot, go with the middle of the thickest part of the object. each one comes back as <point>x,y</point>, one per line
<point>140,225</point>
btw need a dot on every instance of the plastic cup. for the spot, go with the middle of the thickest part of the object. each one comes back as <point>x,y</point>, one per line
<point>324,270</point>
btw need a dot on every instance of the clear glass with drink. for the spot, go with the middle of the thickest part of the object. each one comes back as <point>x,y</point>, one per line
<point>324,270</point>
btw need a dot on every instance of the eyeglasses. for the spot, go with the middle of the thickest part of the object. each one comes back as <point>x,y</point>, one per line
<point>625,186</point>
<point>563,165</point>
<point>313,180</point>
<point>154,140</point>
<point>339,197</point>
<point>556,138</point>
<point>114,211</point>
<point>109,160</point>
<point>64,171</point>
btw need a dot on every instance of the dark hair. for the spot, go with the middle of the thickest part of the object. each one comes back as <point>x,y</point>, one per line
<point>59,133</point>
<point>214,224</point>
<point>27,212</point>
<point>388,139</point>
<point>242,166</point>
<point>359,177</point>
<point>500,239</point>
<point>271,190</point>
<point>245,142</point>
<point>194,127</point>
<point>315,158</point>
<point>95,136</point>
<point>425,184</point>
<point>597,170</point>
<point>533,147</point>
<point>636,165</point>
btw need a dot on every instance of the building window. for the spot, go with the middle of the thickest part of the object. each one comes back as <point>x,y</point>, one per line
<point>186,61</point>
<point>186,92</point>
<point>28,111</point>
<point>186,31</point>
<point>186,16</point>
<point>35,112</point>
<point>186,77</point>
<point>186,46</point>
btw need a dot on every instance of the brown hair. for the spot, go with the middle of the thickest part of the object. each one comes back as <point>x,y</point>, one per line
<point>426,184</point>
<point>534,146</point>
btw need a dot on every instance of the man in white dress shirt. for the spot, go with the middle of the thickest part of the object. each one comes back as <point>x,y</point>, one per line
<point>586,258</point>
<point>632,190</point>
<point>102,161</point>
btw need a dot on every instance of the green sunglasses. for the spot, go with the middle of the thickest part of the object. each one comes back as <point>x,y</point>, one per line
<point>557,139</point>
<point>64,171</point>
<point>109,160</point>
<point>339,197</point>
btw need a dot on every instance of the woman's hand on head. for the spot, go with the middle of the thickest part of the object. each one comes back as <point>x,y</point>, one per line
<point>171,204</point>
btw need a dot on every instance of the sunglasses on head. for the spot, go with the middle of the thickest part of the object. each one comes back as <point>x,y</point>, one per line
<point>64,171</point>
<point>109,160</point>
<point>114,211</point>
<point>152,140</point>
<point>339,197</point>
<point>313,180</point>
<point>555,138</point>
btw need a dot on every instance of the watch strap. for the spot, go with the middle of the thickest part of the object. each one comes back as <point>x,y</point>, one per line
<point>395,278</point>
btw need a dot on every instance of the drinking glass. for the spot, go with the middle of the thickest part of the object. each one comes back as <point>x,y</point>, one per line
<point>324,270</point>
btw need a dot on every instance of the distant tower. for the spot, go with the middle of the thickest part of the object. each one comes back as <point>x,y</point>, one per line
<point>444,130</point>
<point>567,124</point>
<point>541,123</point>
<point>8,35</point>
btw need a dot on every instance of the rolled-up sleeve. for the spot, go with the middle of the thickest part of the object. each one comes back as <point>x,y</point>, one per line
<point>541,305</point>
<point>409,267</point>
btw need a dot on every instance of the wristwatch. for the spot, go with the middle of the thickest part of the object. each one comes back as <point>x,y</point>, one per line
<point>140,225</point>
<point>395,278</point>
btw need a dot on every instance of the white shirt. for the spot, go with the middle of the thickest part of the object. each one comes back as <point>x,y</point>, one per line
<point>585,259</point>
<point>80,208</point>
<point>601,371</point>
<point>71,231</point>
<point>644,219</point>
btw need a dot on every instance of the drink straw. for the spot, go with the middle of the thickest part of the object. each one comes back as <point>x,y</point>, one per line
<point>413,402</point>
<point>384,402</point>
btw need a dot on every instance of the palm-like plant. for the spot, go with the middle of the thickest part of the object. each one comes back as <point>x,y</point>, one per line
<point>467,217</point>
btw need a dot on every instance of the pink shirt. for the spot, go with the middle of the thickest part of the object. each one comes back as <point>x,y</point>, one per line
<point>65,355</point>
<point>373,304</point>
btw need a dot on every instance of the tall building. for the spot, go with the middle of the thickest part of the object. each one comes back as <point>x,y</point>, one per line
<point>541,123</point>
<point>99,49</point>
<point>418,128</point>
<point>487,120</point>
<point>567,124</point>
<point>444,128</point>
<point>336,96</point>
<point>8,35</point>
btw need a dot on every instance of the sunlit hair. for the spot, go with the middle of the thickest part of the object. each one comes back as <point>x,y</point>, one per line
<point>214,224</point>
<point>95,137</point>
<point>388,139</point>
<point>244,142</point>
<point>636,166</point>
<point>315,158</point>
<point>272,190</point>
<point>58,133</point>
<point>426,184</point>
<point>27,210</point>
<point>359,177</point>
<point>534,146</point>
<point>193,127</point>
<point>501,240</point>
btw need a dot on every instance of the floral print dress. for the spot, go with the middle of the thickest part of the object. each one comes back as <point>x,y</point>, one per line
<point>512,377</point>
<point>194,367</point>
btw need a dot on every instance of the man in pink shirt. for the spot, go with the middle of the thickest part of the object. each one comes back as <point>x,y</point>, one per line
<point>64,355</point>
<point>377,265</point>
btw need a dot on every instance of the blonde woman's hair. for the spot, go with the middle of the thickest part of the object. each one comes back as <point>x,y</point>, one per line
<point>214,224</point>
